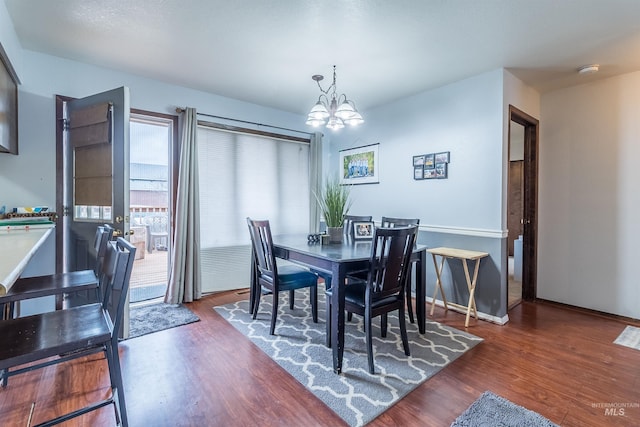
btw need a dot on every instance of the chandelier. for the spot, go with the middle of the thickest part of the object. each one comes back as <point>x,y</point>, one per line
<point>334,111</point>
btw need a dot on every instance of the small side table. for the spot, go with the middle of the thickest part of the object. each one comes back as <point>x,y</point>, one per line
<point>463,255</point>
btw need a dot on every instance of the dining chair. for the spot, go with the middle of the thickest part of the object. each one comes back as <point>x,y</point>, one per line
<point>59,336</point>
<point>61,283</point>
<point>383,290</point>
<point>276,278</point>
<point>390,222</point>
<point>347,230</point>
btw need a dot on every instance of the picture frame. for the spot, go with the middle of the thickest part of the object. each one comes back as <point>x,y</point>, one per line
<point>418,172</point>
<point>418,161</point>
<point>359,165</point>
<point>441,170</point>
<point>429,161</point>
<point>430,173</point>
<point>363,230</point>
<point>442,157</point>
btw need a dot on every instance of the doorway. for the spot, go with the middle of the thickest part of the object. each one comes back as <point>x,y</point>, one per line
<point>522,203</point>
<point>515,213</point>
<point>150,199</point>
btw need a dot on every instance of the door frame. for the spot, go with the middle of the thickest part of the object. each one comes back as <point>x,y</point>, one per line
<point>174,159</point>
<point>60,100</point>
<point>530,200</point>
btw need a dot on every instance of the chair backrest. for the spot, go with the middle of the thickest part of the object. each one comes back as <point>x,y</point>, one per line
<point>348,220</point>
<point>104,234</point>
<point>262,242</point>
<point>115,277</point>
<point>388,222</point>
<point>390,260</point>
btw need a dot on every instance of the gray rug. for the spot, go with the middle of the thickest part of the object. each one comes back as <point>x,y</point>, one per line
<point>355,395</point>
<point>491,410</point>
<point>157,317</point>
<point>630,337</point>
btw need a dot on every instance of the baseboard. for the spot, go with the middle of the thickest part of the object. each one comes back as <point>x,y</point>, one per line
<point>482,316</point>
<point>592,312</point>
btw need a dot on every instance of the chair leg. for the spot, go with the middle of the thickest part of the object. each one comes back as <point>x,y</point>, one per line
<point>410,305</point>
<point>349,316</point>
<point>383,325</point>
<point>403,331</point>
<point>328,321</point>
<point>117,388</point>
<point>313,295</point>
<point>274,312</point>
<point>369,337</point>
<point>256,304</point>
<point>291,299</point>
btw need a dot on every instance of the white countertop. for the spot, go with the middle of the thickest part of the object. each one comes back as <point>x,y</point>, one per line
<point>17,247</point>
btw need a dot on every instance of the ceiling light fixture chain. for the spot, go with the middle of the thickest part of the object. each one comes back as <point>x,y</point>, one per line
<point>331,109</point>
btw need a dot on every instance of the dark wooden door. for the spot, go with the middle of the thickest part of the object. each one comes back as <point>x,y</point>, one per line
<point>516,203</point>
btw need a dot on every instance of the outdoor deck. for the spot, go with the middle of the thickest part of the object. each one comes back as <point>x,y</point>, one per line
<point>150,270</point>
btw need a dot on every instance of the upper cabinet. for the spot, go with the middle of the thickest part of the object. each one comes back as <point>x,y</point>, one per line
<point>8,105</point>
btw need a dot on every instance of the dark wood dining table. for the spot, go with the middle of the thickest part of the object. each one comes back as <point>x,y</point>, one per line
<point>339,259</point>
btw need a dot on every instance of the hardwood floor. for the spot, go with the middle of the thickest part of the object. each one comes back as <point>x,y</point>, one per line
<point>551,359</point>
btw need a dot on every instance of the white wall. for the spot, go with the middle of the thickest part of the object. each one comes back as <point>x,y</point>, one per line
<point>525,99</point>
<point>589,198</point>
<point>464,118</point>
<point>29,178</point>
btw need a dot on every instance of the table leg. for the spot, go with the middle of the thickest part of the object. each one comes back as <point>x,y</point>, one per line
<point>438,284</point>
<point>471,284</point>
<point>337,315</point>
<point>421,291</point>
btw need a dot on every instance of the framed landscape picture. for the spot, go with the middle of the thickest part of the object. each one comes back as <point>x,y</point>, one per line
<point>359,165</point>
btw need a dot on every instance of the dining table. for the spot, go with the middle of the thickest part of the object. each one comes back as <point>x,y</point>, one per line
<point>338,260</point>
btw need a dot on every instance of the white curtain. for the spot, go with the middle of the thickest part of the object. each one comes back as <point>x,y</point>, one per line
<point>315,181</point>
<point>185,283</point>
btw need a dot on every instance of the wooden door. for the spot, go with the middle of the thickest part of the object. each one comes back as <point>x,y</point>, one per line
<point>516,203</point>
<point>95,164</point>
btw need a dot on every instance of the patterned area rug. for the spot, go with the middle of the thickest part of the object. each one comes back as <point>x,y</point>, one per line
<point>355,395</point>
<point>493,410</point>
<point>146,319</point>
<point>630,337</point>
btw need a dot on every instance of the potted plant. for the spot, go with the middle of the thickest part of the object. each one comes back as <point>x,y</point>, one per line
<point>334,203</point>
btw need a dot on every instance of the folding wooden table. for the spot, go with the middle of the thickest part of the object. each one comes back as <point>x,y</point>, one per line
<point>463,255</point>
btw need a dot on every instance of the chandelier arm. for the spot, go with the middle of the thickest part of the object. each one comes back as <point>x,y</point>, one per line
<point>326,99</point>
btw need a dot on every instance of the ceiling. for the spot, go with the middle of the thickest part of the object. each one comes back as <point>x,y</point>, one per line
<point>265,51</point>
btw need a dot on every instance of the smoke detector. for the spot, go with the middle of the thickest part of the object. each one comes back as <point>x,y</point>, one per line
<point>589,69</point>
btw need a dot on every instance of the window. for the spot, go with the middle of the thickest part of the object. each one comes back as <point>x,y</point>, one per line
<point>246,175</point>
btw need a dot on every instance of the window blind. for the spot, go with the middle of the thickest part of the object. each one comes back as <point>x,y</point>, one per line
<point>246,175</point>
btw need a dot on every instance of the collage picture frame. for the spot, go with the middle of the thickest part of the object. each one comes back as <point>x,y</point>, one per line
<point>431,165</point>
